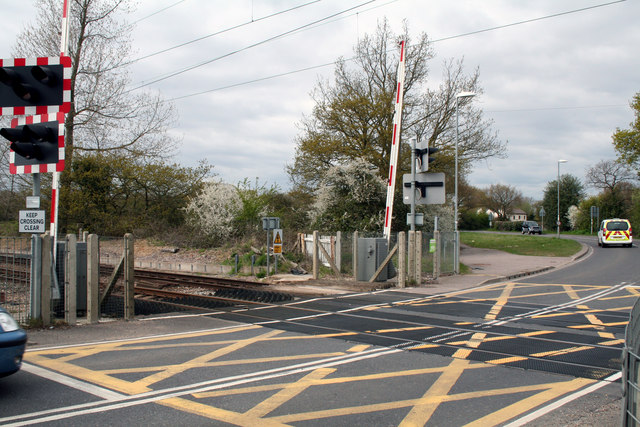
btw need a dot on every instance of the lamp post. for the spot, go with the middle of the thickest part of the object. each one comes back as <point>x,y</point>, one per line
<point>456,258</point>
<point>558,181</point>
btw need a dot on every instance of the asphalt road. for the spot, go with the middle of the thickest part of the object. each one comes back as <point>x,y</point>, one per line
<point>538,351</point>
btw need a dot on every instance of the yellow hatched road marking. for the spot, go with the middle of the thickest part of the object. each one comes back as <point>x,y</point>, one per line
<point>506,360</point>
<point>502,300</point>
<point>563,351</point>
<point>336,380</point>
<point>413,328</point>
<point>195,362</point>
<point>287,393</point>
<point>522,406</point>
<point>474,342</point>
<point>571,292</point>
<point>193,365</point>
<point>596,326</point>
<point>426,406</point>
<point>507,337</point>
<point>547,392</point>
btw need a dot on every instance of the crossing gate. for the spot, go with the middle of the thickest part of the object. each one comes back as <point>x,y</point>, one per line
<point>631,369</point>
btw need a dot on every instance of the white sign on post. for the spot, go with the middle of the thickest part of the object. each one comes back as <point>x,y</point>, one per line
<point>31,221</point>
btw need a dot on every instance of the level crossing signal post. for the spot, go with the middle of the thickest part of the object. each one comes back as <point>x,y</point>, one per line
<point>422,188</point>
<point>39,91</point>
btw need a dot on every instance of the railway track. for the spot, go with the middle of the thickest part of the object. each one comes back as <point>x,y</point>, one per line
<point>159,292</point>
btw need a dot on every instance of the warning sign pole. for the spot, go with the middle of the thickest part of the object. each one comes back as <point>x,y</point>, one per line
<point>277,246</point>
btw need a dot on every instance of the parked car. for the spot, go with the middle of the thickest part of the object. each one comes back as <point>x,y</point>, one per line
<point>12,343</point>
<point>615,232</point>
<point>531,227</point>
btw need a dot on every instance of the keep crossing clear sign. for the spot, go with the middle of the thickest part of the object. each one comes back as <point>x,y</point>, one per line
<point>277,241</point>
<point>31,221</point>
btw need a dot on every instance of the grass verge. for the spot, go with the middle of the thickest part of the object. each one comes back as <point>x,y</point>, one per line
<point>521,244</point>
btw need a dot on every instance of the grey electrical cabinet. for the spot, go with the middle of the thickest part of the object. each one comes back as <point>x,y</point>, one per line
<point>372,251</point>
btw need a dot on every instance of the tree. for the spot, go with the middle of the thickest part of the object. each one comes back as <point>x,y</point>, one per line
<point>502,199</point>
<point>627,141</point>
<point>212,213</point>
<point>255,202</point>
<point>113,194</point>
<point>353,115</point>
<point>609,174</point>
<point>104,116</point>
<point>351,197</point>
<point>571,193</point>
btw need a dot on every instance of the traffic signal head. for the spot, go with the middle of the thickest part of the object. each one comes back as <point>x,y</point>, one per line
<point>423,153</point>
<point>35,85</point>
<point>37,144</point>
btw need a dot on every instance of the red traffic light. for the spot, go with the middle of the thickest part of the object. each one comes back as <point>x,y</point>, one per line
<point>35,85</point>
<point>37,144</point>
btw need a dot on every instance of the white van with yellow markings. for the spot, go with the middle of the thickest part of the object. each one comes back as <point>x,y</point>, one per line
<point>615,232</point>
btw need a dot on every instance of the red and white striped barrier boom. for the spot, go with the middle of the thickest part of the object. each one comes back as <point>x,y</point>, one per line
<point>395,144</point>
<point>55,184</point>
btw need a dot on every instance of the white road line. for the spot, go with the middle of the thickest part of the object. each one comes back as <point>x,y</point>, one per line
<point>558,403</point>
<point>101,392</point>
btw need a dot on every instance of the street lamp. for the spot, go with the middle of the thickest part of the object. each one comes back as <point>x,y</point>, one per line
<point>456,259</point>
<point>558,181</point>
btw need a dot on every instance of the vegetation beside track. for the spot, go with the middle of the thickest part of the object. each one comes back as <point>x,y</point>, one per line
<point>519,244</point>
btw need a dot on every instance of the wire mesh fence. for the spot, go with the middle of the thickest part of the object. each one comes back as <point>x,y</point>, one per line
<point>111,277</point>
<point>23,297</point>
<point>15,277</point>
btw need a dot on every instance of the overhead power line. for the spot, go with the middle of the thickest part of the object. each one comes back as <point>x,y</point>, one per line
<point>264,41</point>
<point>287,73</point>
<point>527,21</point>
<point>156,12</point>
<point>219,32</point>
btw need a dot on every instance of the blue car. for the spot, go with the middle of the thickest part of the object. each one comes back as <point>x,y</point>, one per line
<point>12,343</point>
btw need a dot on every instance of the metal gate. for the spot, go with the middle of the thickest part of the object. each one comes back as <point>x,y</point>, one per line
<point>631,369</point>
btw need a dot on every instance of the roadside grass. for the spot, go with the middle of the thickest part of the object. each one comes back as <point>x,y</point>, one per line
<point>521,244</point>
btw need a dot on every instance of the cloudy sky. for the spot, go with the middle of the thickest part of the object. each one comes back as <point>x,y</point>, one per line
<point>557,75</point>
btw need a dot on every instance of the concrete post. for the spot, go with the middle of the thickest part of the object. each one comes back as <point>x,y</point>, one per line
<point>315,255</point>
<point>47,271</point>
<point>129,302</point>
<point>355,255</point>
<point>71,280</point>
<point>436,255</point>
<point>93,278</point>
<point>36,277</point>
<point>411,256</point>
<point>418,268</point>
<point>402,259</point>
<point>338,260</point>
